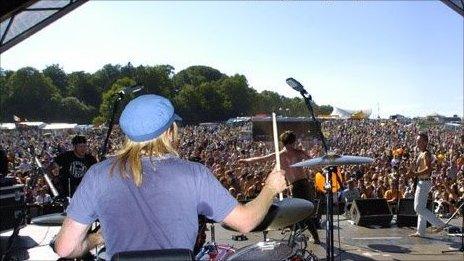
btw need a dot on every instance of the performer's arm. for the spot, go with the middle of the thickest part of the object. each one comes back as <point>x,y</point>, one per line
<point>246,217</point>
<point>257,159</point>
<point>73,241</point>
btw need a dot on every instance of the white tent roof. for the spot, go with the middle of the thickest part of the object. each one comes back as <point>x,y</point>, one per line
<point>59,126</point>
<point>345,114</point>
<point>7,126</point>
<point>33,123</point>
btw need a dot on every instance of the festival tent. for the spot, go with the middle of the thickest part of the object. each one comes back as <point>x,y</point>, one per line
<point>7,126</point>
<point>84,127</point>
<point>59,126</point>
<point>350,114</point>
<point>32,124</point>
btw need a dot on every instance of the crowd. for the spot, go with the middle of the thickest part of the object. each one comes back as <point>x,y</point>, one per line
<point>220,146</point>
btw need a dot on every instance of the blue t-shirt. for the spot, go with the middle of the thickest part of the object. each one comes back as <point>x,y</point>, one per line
<point>160,214</point>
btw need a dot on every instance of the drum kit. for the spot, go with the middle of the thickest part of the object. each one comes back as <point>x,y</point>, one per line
<point>283,214</point>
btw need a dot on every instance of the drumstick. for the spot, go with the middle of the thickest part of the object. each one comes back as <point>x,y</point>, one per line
<point>276,147</point>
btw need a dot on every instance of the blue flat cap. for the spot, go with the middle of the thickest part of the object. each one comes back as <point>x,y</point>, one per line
<point>147,117</point>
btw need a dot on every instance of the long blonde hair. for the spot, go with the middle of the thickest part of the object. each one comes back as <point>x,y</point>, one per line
<point>129,158</point>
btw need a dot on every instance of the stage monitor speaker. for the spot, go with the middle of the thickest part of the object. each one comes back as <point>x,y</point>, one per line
<point>371,212</point>
<point>406,216</point>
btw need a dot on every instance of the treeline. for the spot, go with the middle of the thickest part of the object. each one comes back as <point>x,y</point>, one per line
<point>199,94</point>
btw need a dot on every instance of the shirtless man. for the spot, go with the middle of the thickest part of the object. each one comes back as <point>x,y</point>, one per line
<point>422,170</point>
<point>301,187</point>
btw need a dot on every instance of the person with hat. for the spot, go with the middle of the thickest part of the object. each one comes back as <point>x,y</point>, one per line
<point>147,198</point>
<point>70,166</point>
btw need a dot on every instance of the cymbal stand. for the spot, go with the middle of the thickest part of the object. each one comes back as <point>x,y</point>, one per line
<point>460,209</point>
<point>328,177</point>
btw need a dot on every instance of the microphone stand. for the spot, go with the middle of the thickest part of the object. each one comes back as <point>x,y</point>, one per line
<point>104,147</point>
<point>328,171</point>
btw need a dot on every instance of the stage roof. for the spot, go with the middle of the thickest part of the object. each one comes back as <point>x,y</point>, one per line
<point>20,19</point>
<point>456,5</point>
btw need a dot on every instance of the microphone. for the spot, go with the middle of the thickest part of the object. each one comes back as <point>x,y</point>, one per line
<point>131,89</point>
<point>296,85</point>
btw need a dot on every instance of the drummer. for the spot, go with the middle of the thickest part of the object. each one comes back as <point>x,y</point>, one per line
<point>147,198</point>
<point>301,187</point>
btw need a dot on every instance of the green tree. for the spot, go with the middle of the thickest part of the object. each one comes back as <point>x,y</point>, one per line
<point>30,94</point>
<point>58,77</point>
<point>76,110</point>
<point>156,79</point>
<point>128,71</point>
<point>267,102</point>
<point>81,87</point>
<point>110,96</point>
<point>4,92</point>
<point>237,95</point>
<point>212,103</point>
<point>106,76</point>
<point>196,75</point>
<point>189,104</point>
<point>325,109</point>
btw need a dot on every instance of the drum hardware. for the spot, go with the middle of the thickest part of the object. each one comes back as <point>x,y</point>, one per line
<point>213,250</point>
<point>5,254</point>
<point>460,210</point>
<point>330,161</point>
<point>274,250</point>
<point>12,215</point>
<point>292,249</point>
<point>239,237</point>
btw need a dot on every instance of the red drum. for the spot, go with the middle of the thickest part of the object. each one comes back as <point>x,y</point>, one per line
<point>216,252</point>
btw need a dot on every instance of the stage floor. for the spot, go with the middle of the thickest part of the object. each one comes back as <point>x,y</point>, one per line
<point>357,243</point>
<point>362,243</point>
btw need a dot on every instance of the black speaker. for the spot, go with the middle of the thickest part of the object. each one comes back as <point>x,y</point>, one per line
<point>407,217</point>
<point>371,212</point>
<point>12,207</point>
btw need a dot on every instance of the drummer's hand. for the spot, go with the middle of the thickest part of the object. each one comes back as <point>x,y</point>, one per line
<point>276,181</point>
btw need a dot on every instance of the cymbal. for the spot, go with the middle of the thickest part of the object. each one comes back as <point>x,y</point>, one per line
<point>334,160</point>
<point>269,250</point>
<point>55,219</point>
<point>283,213</point>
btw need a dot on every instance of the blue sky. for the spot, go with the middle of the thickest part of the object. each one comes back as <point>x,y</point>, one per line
<point>406,56</point>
